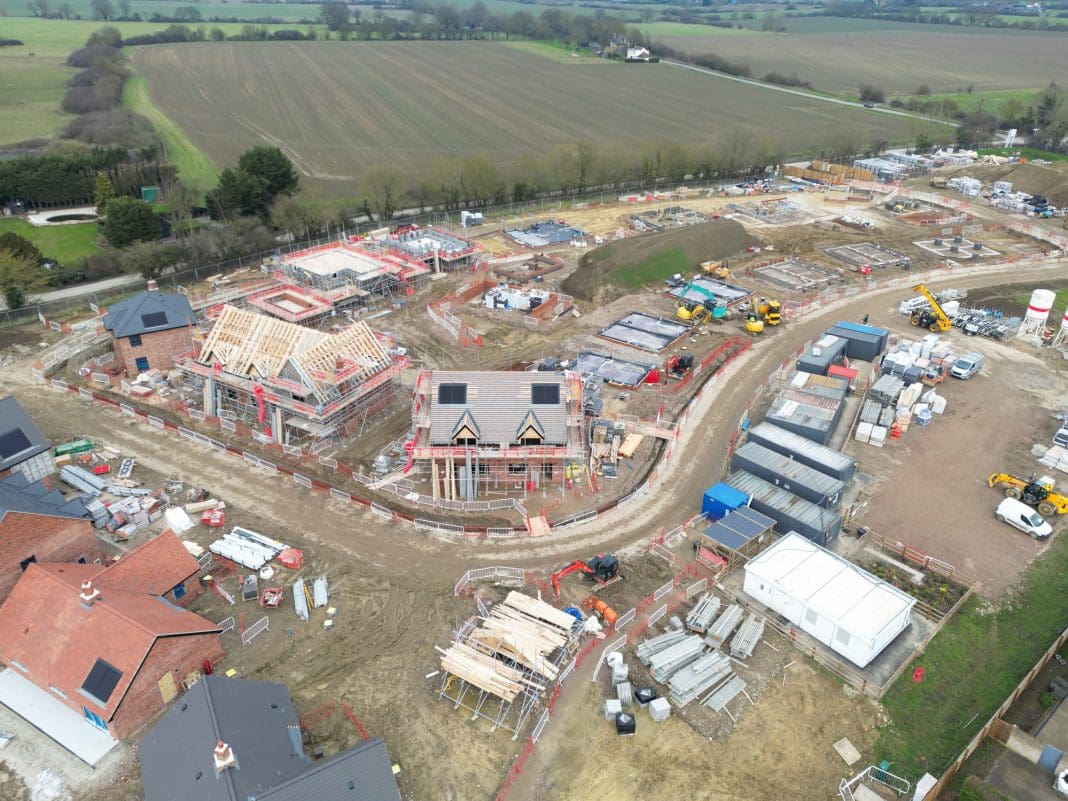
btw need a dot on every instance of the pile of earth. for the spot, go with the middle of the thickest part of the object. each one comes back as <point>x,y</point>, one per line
<point>619,267</point>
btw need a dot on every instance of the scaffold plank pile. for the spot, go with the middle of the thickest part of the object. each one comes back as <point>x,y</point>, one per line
<point>748,636</point>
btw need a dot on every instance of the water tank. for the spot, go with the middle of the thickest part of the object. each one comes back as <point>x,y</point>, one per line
<point>1040,305</point>
<point>1064,321</point>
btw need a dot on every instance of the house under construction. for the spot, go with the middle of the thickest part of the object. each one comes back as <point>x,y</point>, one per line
<point>295,384</point>
<point>347,272</point>
<point>439,250</point>
<point>481,433</point>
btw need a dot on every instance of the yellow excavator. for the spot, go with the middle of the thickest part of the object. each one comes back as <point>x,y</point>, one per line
<point>1032,492</point>
<point>933,319</point>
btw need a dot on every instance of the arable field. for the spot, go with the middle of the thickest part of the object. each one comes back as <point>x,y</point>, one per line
<point>896,59</point>
<point>338,108</point>
<point>34,75</point>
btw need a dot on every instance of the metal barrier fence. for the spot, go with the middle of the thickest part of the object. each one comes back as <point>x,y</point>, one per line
<point>697,587</point>
<point>655,616</point>
<point>255,630</point>
<point>226,624</point>
<point>615,645</point>
<point>663,590</point>
<point>626,618</point>
<point>482,573</point>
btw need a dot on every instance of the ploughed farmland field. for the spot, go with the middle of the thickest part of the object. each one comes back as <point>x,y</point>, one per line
<point>339,108</point>
<point>895,59</point>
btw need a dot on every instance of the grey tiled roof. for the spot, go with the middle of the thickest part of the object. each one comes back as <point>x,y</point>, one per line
<point>19,494</point>
<point>499,403</point>
<point>258,721</point>
<point>13,417</point>
<point>128,317</point>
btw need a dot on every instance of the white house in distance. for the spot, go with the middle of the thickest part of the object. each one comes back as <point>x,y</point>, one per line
<point>638,54</point>
<point>840,604</point>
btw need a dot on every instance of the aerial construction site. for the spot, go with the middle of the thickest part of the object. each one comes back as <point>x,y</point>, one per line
<point>447,500</point>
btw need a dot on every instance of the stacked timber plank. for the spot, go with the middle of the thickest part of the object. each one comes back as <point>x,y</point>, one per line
<point>510,650</point>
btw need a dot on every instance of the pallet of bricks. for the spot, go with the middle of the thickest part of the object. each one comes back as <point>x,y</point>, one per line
<point>827,173</point>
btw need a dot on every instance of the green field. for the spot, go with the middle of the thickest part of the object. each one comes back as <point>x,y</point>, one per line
<point>1028,153</point>
<point>970,667</point>
<point>33,77</point>
<point>896,59</point>
<point>67,244</point>
<point>337,108</point>
<point>194,168</point>
<point>989,102</point>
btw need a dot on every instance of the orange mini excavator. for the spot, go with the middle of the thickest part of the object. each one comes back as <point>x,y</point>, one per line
<point>603,568</point>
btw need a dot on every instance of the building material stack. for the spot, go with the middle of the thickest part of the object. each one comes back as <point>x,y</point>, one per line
<point>666,662</point>
<point>699,676</point>
<point>650,648</point>
<point>521,630</point>
<point>702,615</point>
<point>724,625</point>
<point>748,636</point>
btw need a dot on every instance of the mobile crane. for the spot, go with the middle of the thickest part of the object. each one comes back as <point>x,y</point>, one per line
<point>934,319</point>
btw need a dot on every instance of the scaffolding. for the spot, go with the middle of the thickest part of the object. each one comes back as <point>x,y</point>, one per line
<point>529,673</point>
<point>300,385</point>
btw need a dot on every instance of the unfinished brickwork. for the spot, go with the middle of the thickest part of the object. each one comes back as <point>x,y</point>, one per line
<point>178,657</point>
<point>159,349</point>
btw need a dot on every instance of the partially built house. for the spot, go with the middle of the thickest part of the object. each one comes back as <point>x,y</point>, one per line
<point>439,250</point>
<point>347,272</point>
<point>486,432</point>
<point>298,385</point>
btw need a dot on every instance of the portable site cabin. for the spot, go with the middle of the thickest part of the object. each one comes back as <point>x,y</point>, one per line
<point>740,533</point>
<point>720,500</point>
<point>865,342</point>
<point>789,511</point>
<point>819,457</point>
<point>827,350</point>
<point>843,606</point>
<point>814,419</point>
<point>782,471</point>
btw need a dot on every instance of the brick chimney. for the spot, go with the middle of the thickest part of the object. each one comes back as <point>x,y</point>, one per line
<point>89,593</point>
<point>224,757</point>
<point>152,286</point>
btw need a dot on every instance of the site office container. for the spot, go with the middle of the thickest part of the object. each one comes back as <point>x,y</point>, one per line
<point>859,344</point>
<point>819,457</point>
<point>827,350</point>
<point>789,511</point>
<point>782,471</point>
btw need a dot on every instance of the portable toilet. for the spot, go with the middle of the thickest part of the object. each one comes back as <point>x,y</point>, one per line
<point>720,499</point>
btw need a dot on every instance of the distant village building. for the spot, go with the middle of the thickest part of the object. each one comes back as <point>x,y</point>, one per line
<point>150,329</point>
<point>638,54</point>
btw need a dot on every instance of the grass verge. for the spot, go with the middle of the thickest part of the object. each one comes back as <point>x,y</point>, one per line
<point>971,666</point>
<point>67,244</point>
<point>194,168</point>
<point>1028,153</point>
<point>656,268</point>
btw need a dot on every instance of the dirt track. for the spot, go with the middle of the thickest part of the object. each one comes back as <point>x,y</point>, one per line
<point>397,586</point>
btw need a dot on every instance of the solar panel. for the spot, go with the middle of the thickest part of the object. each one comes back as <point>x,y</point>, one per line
<point>452,394</point>
<point>101,681</point>
<point>12,442</point>
<point>544,394</point>
<point>154,319</point>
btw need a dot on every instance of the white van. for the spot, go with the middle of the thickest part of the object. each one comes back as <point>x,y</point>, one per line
<point>967,365</point>
<point>1019,515</point>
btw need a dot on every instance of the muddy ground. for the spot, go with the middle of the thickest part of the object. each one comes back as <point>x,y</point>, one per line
<point>393,588</point>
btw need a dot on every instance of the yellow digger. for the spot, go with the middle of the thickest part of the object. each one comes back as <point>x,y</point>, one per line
<point>1032,492</point>
<point>769,311</point>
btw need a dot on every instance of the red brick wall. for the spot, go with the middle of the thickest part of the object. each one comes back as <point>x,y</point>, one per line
<point>159,348</point>
<point>50,539</point>
<point>179,656</point>
<point>193,587</point>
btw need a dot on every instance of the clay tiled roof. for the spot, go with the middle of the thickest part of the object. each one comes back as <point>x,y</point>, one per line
<point>47,631</point>
<point>155,568</point>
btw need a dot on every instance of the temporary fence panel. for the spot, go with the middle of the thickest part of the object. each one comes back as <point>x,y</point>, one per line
<point>615,645</point>
<point>338,495</point>
<point>382,511</point>
<point>85,394</point>
<point>626,618</point>
<point>226,624</point>
<point>696,587</point>
<point>303,481</point>
<point>655,616</point>
<point>663,590</point>
<point>539,727</point>
<point>255,629</point>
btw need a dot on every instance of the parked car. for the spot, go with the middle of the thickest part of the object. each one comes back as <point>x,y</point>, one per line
<point>967,365</point>
<point>869,105</point>
<point>1019,515</point>
<point>1061,437</point>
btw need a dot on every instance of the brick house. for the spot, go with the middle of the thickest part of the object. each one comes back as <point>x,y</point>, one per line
<point>37,525</point>
<point>23,448</point>
<point>150,329</point>
<point>102,642</point>
<point>481,430</point>
<point>162,566</point>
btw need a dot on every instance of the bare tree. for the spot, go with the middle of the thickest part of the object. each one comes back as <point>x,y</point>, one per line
<point>179,200</point>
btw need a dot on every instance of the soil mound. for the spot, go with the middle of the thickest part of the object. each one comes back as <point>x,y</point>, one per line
<point>619,267</point>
